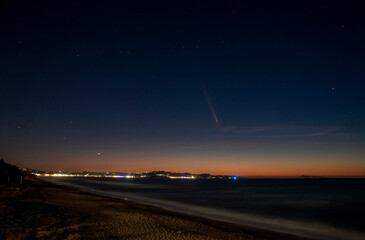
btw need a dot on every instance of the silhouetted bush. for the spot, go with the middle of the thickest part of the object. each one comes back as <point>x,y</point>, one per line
<point>9,172</point>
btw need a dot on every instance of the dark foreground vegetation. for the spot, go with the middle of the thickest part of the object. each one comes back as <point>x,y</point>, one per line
<point>21,211</point>
<point>10,174</point>
<point>23,215</point>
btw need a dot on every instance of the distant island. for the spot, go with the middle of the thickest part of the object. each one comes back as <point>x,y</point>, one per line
<point>153,174</point>
<point>310,176</point>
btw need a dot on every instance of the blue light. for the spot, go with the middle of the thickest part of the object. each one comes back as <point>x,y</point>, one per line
<point>234,178</point>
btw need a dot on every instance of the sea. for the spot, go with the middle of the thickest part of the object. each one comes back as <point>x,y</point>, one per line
<point>324,208</point>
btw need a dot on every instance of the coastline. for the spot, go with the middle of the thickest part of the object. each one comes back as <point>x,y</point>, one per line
<point>83,215</point>
<point>305,229</point>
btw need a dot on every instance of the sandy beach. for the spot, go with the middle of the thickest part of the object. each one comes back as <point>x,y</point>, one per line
<point>56,212</point>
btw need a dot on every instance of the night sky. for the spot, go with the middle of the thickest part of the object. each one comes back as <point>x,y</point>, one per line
<point>252,88</point>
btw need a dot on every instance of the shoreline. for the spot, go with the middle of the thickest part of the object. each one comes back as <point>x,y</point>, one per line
<point>75,214</point>
<point>306,230</point>
<point>226,226</point>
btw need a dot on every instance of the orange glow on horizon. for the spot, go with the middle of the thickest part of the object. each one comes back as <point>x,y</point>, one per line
<point>252,171</point>
<point>244,166</point>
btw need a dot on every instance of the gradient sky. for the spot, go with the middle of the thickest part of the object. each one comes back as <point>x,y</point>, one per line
<point>251,88</point>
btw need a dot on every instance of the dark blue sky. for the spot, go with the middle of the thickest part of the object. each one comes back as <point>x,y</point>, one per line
<point>126,79</point>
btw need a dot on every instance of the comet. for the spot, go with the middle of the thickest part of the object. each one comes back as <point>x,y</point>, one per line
<point>210,103</point>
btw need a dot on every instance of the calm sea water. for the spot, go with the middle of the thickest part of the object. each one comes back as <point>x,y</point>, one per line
<point>324,208</point>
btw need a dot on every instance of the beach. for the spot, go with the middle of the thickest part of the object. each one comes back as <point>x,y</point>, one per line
<point>57,212</point>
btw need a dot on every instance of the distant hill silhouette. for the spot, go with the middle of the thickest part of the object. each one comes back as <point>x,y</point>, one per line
<point>9,172</point>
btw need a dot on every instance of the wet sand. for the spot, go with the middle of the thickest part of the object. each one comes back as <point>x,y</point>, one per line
<point>80,215</point>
